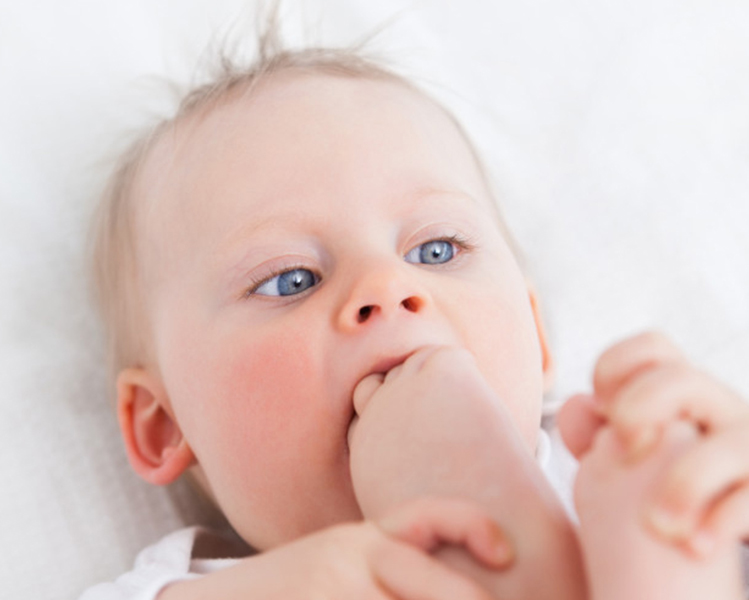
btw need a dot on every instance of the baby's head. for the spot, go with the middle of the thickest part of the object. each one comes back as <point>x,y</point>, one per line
<point>292,230</point>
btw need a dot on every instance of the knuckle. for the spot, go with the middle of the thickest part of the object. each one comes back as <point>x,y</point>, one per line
<point>635,354</point>
<point>606,367</point>
<point>674,382</point>
<point>653,388</point>
<point>692,478</point>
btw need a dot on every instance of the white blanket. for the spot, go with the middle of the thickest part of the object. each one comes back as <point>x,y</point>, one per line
<point>617,133</point>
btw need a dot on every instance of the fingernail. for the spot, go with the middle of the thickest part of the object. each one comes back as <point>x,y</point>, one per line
<point>640,444</point>
<point>502,552</point>
<point>666,524</point>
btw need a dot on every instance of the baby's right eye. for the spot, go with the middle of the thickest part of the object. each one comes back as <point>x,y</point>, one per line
<point>288,283</point>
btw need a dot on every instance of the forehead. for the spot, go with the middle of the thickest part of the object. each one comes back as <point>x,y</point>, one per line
<point>297,141</point>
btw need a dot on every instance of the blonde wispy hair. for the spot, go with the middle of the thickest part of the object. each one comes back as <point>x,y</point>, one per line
<point>115,275</point>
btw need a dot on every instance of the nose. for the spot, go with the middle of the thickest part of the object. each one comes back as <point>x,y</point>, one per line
<point>382,292</point>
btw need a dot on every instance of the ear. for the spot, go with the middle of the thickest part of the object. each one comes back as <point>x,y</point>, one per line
<point>547,360</point>
<point>155,446</point>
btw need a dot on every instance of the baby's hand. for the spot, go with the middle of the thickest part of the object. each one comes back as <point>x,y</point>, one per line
<point>389,559</point>
<point>642,385</point>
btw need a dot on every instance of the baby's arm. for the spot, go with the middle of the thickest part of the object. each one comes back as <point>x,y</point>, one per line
<point>433,426</point>
<point>377,561</point>
<point>647,435</point>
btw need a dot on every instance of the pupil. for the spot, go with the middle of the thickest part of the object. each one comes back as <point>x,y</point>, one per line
<point>295,281</point>
<point>436,252</point>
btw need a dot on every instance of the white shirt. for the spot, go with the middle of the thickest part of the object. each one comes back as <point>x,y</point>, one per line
<point>168,561</point>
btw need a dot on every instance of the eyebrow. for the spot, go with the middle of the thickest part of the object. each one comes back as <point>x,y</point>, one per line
<point>227,247</point>
<point>423,195</point>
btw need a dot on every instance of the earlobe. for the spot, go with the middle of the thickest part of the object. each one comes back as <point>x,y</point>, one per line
<point>547,359</point>
<point>155,446</point>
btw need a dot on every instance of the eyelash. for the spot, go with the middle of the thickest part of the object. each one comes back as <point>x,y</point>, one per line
<point>258,280</point>
<point>462,243</point>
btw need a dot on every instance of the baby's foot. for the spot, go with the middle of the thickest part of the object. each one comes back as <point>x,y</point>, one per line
<point>623,558</point>
<point>435,427</point>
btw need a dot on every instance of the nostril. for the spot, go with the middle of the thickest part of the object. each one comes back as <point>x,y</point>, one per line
<point>411,304</point>
<point>364,313</point>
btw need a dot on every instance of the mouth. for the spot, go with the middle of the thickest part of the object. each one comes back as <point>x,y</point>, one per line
<point>382,366</point>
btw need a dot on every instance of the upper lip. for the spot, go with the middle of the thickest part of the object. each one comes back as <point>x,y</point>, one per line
<point>381,365</point>
<point>386,363</point>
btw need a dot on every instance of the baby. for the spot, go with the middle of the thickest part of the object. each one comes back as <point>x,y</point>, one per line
<point>316,312</point>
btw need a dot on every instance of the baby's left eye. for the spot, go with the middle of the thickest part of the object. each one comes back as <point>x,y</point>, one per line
<point>435,252</point>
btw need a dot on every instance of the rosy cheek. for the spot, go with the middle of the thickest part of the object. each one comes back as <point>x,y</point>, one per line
<point>267,382</point>
<point>267,408</point>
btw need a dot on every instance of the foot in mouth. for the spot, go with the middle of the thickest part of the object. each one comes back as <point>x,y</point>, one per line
<point>433,426</point>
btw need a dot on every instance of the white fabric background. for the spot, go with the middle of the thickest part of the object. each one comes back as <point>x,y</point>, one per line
<point>617,132</point>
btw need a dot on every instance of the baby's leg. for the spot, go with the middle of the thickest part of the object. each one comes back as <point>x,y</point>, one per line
<point>436,428</point>
<point>623,558</point>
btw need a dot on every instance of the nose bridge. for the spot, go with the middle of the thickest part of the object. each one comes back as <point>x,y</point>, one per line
<point>381,288</point>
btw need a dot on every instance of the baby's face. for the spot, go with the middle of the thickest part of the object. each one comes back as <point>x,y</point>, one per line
<point>297,240</point>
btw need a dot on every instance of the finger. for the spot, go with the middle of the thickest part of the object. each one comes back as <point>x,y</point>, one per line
<point>409,574</point>
<point>630,357</point>
<point>699,481</point>
<point>727,522</point>
<point>668,392</point>
<point>429,522</point>
<point>365,389</point>
<point>578,422</point>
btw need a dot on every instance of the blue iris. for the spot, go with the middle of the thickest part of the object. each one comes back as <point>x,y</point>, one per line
<point>435,252</point>
<point>288,283</point>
